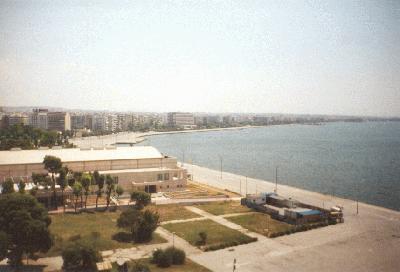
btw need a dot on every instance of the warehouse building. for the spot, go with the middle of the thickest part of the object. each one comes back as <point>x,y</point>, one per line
<point>135,168</point>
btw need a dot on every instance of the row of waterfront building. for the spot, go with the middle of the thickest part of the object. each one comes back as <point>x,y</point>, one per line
<point>112,122</point>
<point>115,122</point>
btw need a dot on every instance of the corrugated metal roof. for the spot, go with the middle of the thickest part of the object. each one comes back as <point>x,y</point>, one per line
<point>76,154</point>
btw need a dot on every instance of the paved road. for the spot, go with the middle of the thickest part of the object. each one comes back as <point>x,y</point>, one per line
<point>369,241</point>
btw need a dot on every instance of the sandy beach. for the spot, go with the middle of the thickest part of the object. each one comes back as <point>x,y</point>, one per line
<point>367,241</point>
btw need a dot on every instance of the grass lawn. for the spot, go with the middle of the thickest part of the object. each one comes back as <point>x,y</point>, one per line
<point>260,223</point>
<point>99,227</point>
<point>225,207</point>
<point>217,234</point>
<point>189,266</point>
<point>172,212</point>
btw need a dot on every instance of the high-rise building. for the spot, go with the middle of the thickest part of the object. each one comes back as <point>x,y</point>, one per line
<point>59,121</point>
<point>78,121</point>
<point>180,119</point>
<point>111,122</point>
<point>99,122</point>
<point>38,118</point>
<point>17,119</point>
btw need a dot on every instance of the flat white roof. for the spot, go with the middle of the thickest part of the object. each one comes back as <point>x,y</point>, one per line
<point>137,170</point>
<point>76,154</point>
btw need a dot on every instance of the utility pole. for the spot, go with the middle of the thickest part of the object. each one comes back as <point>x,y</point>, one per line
<point>246,185</point>
<point>234,265</point>
<point>220,160</point>
<point>357,205</point>
<point>240,186</point>
<point>276,179</point>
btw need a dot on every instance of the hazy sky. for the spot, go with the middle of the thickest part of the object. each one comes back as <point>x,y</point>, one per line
<point>331,57</point>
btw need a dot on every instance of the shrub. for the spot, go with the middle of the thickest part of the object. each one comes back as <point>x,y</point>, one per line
<point>165,259</point>
<point>141,224</point>
<point>169,256</point>
<point>80,256</point>
<point>202,238</point>
<point>139,267</point>
<point>178,255</point>
<point>156,255</point>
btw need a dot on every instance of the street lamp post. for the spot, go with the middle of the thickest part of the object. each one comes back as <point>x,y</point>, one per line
<point>173,239</point>
<point>220,161</point>
<point>246,185</point>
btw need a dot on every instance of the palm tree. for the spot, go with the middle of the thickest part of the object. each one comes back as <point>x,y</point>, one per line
<point>53,165</point>
<point>100,185</point>
<point>110,188</point>
<point>86,179</point>
<point>62,181</point>
<point>77,191</point>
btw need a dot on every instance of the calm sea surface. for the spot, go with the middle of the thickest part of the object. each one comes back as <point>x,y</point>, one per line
<point>351,160</point>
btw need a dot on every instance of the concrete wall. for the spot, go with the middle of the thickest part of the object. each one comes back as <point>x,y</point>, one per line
<point>19,170</point>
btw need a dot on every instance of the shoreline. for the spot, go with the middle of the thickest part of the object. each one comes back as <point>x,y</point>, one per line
<point>236,183</point>
<point>133,138</point>
<point>367,241</point>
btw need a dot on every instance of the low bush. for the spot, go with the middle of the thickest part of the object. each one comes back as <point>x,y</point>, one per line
<point>80,256</point>
<point>178,256</point>
<point>122,237</point>
<point>228,244</point>
<point>202,238</point>
<point>169,256</point>
<point>139,267</point>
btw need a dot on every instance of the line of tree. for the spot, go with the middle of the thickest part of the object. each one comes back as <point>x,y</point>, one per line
<point>27,137</point>
<point>81,184</point>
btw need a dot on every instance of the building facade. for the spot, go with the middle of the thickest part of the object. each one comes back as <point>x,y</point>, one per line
<point>180,119</point>
<point>135,168</point>
<point>59,121</point>
<point>38,118</point>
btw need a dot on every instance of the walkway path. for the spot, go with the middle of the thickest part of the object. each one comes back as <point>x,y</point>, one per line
<point>221,220</point>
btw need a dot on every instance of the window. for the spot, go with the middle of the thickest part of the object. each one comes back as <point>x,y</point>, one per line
<point>167,186</point>
<point>159,177</point>
<point>166,176</point>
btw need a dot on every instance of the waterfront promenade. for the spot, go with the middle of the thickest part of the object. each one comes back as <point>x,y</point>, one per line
<point>136,137</point>
<point>367,241</point>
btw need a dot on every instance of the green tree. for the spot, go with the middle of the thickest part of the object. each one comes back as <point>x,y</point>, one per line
<point>110,182</point>
<point>8,186</point>
<point>100,186</point>
<point>77,191</point>
<point>96,177</point>
<point>62,181</point>
<point>141,199</point>
<point>38,179</point>
<point>139,267</point>
<point>21,186</point>
<point>25,222</point>
<point>80,256</point>
<point>119,191</point>
<point>140,224</point>
<point>53,165</point>
<point>86,181</point>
